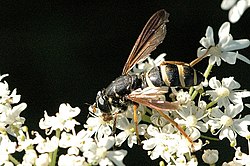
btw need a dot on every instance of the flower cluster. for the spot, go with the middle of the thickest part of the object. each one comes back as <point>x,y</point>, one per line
<point>210,111</point>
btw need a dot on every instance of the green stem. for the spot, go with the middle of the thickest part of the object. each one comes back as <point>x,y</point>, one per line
<point>206,74</point>
<point>191,90</point>
<point>212,103</point>
<point>13,160</point>
<point>54,154</point>
<point>194,95</point>
<point>208,70</point>
<point>210,138</point>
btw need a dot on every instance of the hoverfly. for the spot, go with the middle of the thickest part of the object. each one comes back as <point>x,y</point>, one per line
<point>120,94</point>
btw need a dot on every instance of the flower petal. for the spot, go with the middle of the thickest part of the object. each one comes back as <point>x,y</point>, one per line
<point>241,126</point>
<point>229,57</point>
<point>214,83</point>
<point>237,10</point>
<point>209,39</point>
<point>243,58</point>
<point>224,31</point>
<point>120,138</point>
<point>227,132</point>
<point>236,44</point>
<point>122,123</point>
<point>227,4</point>
<point>117,156</point>
<point>233,110</point>
<point>106,142</point>
<point>230,83</point>
<point>149,144</point>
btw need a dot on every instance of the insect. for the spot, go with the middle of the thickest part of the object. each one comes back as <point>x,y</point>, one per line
<point>129,88</point>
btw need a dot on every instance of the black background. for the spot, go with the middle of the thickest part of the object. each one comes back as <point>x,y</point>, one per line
<point>65,51</point>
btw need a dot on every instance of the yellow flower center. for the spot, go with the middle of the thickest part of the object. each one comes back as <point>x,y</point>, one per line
<point>215,50</point>
<point>226,120</point>
<point>222,92</point>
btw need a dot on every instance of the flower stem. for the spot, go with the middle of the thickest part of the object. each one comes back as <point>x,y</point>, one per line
<point>194,95</point>
<point>206,74</point>
<point>191,90</point>
<point>212,103</point>
<point>208,70</point>
<point>54,154</point>
<point>13,160</point>
<point>210,138</point>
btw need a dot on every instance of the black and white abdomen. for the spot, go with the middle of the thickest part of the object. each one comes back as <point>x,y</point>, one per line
<point>173,75</point>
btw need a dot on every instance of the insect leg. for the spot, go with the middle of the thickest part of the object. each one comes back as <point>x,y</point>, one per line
<point>197,60</point>
<point>114,125</point>
<point>177,126</point>
<point>135,106</point>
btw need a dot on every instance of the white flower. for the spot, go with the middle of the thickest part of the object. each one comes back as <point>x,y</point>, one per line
<point>223,50</point>
<point>231,163</point>
<point>62,120</point>
<point>227,125</point>
<point>182,161</point>
<point>210,156</point>
<point>67,112</point>
<point>225,92</point>
<point>100,153</point>
<point>97,126</point>
<point>43,160</point>
<point>29,157</point>
<point>164,143</point>
<point>5,97</point>
<point>237,8</point>
<point>4,89</point>
<point>145,66</point>
<point>50,123</point>
<point>66,160</point>
<point>182,97</point>
<point>10,117</point>
<point>24,143</point>
<point>68,140</point>
<point>81,141</point>
<point>48,145</point>
<point>14,98</point>
<point>191,119</point>
<point>3,76</point>
<point>7,146</point>
<point>242,158</point>
<point>128,131</point>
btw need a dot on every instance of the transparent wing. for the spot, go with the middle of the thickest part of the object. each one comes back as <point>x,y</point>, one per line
<point>151,36</point>
<point>153,98</point>
<point>159,105</point>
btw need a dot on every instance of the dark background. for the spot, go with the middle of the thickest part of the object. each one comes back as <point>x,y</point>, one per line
<point>65,51</point>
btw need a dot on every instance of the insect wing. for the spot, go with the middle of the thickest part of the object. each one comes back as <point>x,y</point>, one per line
<point>153,97</point>
<point>151,36</point>
<point>155,104</point>
<point>151,91</point>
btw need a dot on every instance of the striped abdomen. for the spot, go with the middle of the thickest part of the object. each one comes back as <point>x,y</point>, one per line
<point>173,75</point>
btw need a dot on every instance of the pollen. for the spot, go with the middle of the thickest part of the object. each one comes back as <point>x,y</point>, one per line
<point>222,92</point>
<point>226,120</point>
<point>215,50</point>
<point>132,129</point>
